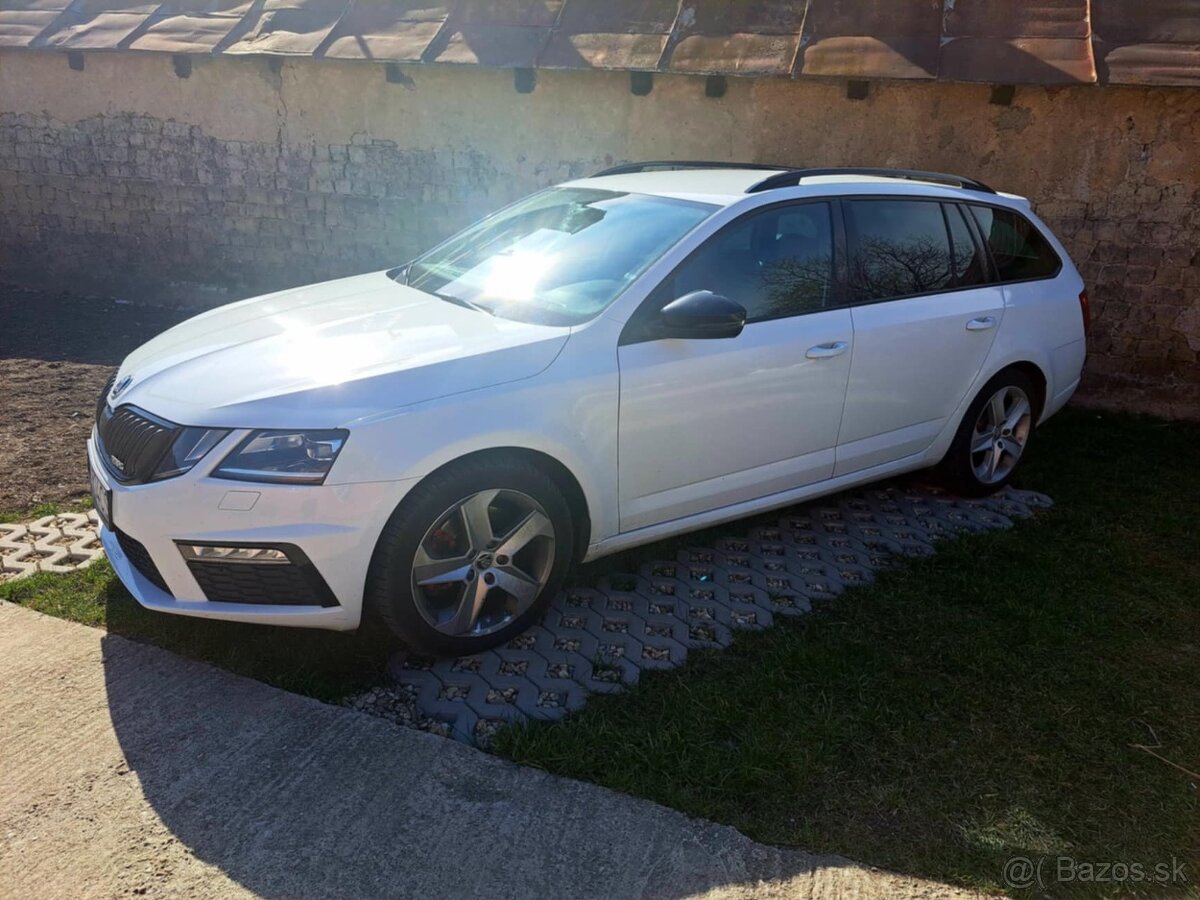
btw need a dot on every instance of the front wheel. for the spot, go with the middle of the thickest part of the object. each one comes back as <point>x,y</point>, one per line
<point>993,436</point>
<point>471,556</point>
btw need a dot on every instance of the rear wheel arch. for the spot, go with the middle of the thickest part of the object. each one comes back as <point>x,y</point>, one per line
<point>960,466</point>
<point>1037,377</point>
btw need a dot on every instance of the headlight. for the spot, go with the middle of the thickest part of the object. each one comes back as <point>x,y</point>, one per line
<point>286,457</point>
<point>189,448</point>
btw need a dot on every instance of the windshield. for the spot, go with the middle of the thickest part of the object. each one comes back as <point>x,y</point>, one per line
<point>559,257</point>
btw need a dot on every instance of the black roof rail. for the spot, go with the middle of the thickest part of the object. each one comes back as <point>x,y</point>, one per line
<point>792,177</point>
<point>669,164</point>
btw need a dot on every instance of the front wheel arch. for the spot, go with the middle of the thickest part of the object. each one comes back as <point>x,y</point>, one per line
<point>563,477</point>
<point>392,596</point>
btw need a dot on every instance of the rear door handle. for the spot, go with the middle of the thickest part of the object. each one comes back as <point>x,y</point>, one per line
<point>824,351</point>
<point>982,324</point>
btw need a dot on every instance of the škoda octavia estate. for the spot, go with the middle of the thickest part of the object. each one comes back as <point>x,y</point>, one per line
<point>658,348</point>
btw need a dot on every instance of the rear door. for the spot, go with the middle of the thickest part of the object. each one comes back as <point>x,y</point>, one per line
<point>712,423</point>
<point>925,316</point>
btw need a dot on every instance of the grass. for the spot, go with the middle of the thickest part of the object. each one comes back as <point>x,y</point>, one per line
<point>323,664</point>
<point>966,708</point>
<point>49,508</point>
<point>977,705</point>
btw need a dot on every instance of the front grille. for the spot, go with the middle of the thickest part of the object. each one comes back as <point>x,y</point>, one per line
<point>132,442</point>
<point>140,559</point>
<point>275,584</point>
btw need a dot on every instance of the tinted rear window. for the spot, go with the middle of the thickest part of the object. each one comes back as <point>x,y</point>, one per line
<point>1020,251</point>
<point>898,248</point>
<point>970,263</point>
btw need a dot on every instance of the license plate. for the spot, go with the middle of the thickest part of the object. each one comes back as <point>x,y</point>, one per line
<point>101,497</point>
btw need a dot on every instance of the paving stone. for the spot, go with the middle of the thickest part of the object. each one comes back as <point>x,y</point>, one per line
<point>57,543</point>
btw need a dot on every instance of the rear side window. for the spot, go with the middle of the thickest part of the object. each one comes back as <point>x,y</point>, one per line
<point>898,248</point>
<point>1019,249</point>
<point>970,262</point>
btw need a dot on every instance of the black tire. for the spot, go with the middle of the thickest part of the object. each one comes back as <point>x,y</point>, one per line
<point>957,470</point>
<point>389,593</point>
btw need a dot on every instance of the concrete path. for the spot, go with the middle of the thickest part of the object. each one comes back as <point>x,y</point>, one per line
<point>128,770</point>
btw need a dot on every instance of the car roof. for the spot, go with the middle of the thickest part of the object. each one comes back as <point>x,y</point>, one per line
<point>727,184</point>
<point>716,185</point>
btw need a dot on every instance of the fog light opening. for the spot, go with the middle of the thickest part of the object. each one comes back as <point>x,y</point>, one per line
<point>212,553</point>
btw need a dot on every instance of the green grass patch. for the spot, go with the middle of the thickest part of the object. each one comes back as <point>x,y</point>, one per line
<point>50,508</point>
<point>966,708</point>
<point>323,664</point>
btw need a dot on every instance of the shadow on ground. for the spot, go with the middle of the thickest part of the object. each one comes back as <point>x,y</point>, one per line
<point>41,325</point>
<point>291,797</point>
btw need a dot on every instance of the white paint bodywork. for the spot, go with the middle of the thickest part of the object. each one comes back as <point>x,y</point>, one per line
<point>662,437</point>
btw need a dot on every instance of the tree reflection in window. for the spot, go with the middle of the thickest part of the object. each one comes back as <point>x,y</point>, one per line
<point>899,248</point>
<point>776,262</point>
<point>796,285</point>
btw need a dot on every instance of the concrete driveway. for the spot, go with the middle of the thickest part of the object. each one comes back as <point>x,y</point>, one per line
<point>130,770</point>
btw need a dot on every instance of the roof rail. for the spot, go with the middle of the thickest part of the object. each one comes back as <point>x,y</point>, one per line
<point>792,177</point>
<point>669,164</point>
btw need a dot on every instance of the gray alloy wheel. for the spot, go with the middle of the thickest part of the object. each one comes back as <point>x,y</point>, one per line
<point>472,555</point>
<point>993,436</point>
<point>1000,434</point>
<point>483,563</point>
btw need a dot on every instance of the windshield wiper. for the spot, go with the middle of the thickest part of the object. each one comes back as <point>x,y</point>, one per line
<point>462,302</point>
<point>400,275</point>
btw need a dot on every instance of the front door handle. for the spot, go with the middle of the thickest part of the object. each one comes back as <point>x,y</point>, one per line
<point>983,323</point>
<point>825,351</point>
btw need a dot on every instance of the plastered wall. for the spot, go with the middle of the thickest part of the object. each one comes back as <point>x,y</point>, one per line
<point>127,179</point>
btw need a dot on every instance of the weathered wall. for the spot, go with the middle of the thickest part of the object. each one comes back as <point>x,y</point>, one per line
<point>124,178</point>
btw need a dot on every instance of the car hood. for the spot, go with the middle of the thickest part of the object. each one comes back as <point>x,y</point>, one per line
<point>328,355</point>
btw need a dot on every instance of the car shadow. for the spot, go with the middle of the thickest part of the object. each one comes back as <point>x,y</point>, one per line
<point>291,797</point>
<point>57,327</point>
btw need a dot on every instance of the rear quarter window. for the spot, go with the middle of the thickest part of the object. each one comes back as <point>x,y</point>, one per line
<point>1019,249</point>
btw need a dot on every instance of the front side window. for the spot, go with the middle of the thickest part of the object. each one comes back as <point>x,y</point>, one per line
<point>559,257</point>
<point>898,248</point>
<point>1019,249</point>
<point>777,262</point>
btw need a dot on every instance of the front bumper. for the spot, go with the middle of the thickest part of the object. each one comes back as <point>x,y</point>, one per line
<point>336,527</point>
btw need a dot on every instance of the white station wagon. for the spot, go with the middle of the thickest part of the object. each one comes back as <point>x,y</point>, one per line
<point>655,349</point>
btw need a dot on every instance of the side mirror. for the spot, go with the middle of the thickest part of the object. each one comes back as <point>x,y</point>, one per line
<point>701,315</point>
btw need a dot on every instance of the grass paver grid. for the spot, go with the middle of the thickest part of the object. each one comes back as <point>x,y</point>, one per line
<point>601,639</point>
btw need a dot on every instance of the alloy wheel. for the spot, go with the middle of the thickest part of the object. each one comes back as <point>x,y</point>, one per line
<point>483,563</point>
<point>1000,434</point>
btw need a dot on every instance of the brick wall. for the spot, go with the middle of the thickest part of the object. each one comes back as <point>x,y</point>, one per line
<point>1139,253</point>
<point>164,212</point>
<point>125,179</point>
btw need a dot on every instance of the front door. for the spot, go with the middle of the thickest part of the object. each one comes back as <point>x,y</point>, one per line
<point>710,423</point>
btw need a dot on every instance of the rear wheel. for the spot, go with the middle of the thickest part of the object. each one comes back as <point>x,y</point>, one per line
<point>992,439</point>
<point>471,556</point>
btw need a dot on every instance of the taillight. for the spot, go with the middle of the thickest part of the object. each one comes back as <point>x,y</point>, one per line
<point>1085,307</point>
